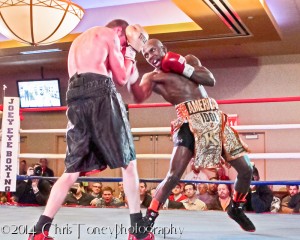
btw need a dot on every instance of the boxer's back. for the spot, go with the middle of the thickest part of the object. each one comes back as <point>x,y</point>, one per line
<point>89,51</point>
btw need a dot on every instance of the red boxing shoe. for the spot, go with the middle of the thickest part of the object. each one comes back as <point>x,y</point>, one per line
<point>40,236</point>
<point>150,236</point>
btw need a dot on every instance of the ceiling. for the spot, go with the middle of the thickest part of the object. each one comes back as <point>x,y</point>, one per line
<point>209,29</point>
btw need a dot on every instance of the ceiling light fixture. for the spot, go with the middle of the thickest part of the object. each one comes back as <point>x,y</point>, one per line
<point>38,22</point>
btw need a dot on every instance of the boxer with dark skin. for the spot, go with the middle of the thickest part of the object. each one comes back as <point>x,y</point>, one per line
<point>201,130</point>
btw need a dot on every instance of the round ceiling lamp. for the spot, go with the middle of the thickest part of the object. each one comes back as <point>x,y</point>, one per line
<point>38,22</point>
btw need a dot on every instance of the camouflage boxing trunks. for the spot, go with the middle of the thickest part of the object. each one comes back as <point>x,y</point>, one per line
<point>213,137</point>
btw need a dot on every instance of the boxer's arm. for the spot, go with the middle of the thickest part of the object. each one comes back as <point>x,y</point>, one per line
<point>192,69</point>
<point>201,75</point>
<point>142,89</point>
<point>120,67</point>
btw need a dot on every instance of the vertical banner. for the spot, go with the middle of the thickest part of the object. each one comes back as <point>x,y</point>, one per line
<point>10,144</point>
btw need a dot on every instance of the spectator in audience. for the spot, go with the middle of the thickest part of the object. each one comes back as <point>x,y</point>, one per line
<point>276,202</point>
<point>121,192</point>
<point>107,200</point>
<point>177,194</point>
<point>202,188</point>
<point>196,173</point>
<point>3,198</point>
<point>46,171</point>
<point>213,188</point>
<point>145,198</point>
<point>169,204</point>
<point>172,205</point>
<point>222,202</point>
<point>292,190</point>
<point>204,196</point>
<point>192,202</point>
<point>32,191</point>
<point>260,197</point>
<point>152,191</point>
<point>23,167</point>
<point>77,196</point>
<point>96,190</point>
<point>294,203</point>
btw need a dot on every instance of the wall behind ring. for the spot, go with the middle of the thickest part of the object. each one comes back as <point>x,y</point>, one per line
<point>237,78</point>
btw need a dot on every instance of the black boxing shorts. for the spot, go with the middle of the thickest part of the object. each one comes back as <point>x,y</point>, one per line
<point>184,137</point>
<point>98,132</point>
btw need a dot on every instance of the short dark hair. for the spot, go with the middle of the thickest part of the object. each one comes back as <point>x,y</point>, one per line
<point>117,23</point>
<point>107,188</point>
<point>145,184</point>
<point>190,184</point>
<point>255,172</point>
<point>36,164</point>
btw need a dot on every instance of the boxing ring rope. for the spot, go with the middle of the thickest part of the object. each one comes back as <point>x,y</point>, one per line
<point>157,180</point>
<point>231,101</point>
<point>150,105</point>
<point>168,156</point>
<point>167,130</point>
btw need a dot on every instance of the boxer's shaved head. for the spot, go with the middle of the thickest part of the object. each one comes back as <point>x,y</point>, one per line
<point>153,43</point>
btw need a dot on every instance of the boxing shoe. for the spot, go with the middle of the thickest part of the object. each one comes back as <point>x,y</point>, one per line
<point>236,212</point>
<point>40,236</point>
<point>150,217</point>
<point>150,236</point>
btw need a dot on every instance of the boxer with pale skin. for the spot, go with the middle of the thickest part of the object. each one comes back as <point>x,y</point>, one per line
<point>98,133</point>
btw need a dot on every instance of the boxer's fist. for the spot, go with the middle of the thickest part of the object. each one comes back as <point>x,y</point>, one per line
<point>130,53</point>
<point>134,75</point>
<point>173,62</point>
<point>136,36</point>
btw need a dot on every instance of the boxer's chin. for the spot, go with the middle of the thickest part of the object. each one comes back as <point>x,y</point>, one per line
<point>156,64</point>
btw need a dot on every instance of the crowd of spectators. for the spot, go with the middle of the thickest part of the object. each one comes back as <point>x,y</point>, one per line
<point>188,196</point>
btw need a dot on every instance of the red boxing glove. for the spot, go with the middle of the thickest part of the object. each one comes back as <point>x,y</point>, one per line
<point>173,62</point>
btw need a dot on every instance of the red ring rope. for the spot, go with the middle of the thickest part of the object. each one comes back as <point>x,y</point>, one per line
<point>232,101</point>
<point>150,105</point>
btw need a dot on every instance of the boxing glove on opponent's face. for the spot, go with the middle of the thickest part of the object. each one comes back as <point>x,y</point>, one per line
<point>173,62</point>
<point>136,36</point>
